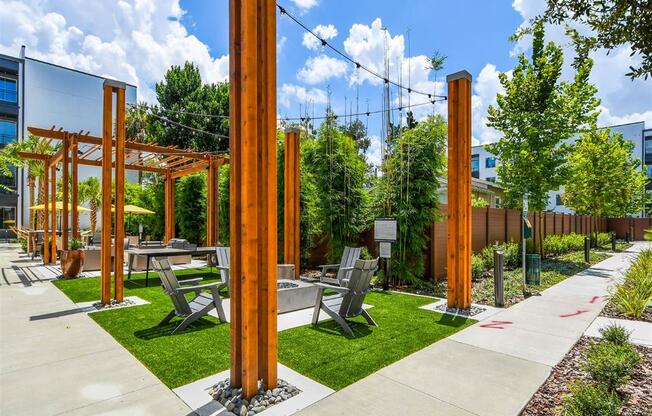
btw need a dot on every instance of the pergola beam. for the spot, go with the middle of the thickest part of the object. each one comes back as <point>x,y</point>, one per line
<point>119,193</point>
<point>107,145</point>
<point>190,169</point>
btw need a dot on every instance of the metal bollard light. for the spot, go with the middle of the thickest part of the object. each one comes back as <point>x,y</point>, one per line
<point>499,287</point>
<point>613,241</point>
<point>587,249</point>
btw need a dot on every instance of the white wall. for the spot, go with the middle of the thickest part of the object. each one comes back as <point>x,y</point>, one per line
<point>61,97</point>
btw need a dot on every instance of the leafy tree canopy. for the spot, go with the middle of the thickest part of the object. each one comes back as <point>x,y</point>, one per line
<point>603,177</point>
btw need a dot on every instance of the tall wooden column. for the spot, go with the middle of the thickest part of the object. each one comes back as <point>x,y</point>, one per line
<point>459,190</point>
<point>291,195</point>
<point>169,207</point>
<point>74,194</point>
<point>107,161</point>
<point>120,134</point>
<point>53,212</point>
<point>46,212</point>
<point>64,191</point>
<point>253,194</point>
<point>212,197</point>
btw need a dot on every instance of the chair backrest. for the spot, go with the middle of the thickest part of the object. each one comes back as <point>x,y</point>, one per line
<point>223,255</point>
<point>171,284</point>
<point>349,257</point>
<point>358,287</point>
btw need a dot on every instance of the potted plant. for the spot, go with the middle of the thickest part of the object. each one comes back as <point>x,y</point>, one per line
<point>72,260</point>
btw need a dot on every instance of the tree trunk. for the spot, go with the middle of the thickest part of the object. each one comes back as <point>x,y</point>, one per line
<point>41,200</point>
<point>93,207</point>
<point>30,186</point>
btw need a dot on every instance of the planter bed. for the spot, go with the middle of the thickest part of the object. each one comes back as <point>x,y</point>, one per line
<point>636,394</point>
<point>610,312</point>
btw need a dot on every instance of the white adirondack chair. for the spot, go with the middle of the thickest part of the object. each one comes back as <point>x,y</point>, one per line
<point>223,256</point>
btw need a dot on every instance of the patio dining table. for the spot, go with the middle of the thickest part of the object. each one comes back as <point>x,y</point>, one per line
<point>162,252</point>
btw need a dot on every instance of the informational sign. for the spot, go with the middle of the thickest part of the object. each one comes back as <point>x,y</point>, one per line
<point>385,250</point>
<point>525,206</point>
<point>385,229</point>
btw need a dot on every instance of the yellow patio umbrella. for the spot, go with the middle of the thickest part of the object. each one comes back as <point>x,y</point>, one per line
<point>59,207</point>
<point>134,209</point>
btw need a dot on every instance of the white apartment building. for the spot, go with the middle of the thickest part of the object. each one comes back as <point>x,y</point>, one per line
<point>483,163</point>
<point>34,93</point>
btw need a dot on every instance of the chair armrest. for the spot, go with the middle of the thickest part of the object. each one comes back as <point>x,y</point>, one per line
<point>227,268</point>
<point>346,268</point>
<point>191,281</point>
<point>198,287</point>
<point>329,266</point>
<point>338,289</point>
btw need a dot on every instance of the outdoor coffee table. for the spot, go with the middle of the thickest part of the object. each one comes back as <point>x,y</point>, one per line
<point>162,252</point>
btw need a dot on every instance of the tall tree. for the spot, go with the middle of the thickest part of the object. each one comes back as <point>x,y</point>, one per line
<point>339,172</point>
<point>184,99</point>
<point>191,207</point>
<point>357,130</point>
<point>411,192</point>
<point>603,177</point>
<point>535,114</point>
<point>614,23</point>
<point>90,191</point>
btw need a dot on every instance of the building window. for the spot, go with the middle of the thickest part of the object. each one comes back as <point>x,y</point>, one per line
<point>7,217</point>
<point>498,202</point>
<point>648,150</point>
<point>491,179</point>
<point>475,166</point>
<point>490,162</point>
<point>558,200</point>
<point>8,90</point>
<point>7,132</point>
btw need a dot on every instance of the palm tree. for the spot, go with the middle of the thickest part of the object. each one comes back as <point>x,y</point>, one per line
<point>91,192</point>
<point>35,168</point>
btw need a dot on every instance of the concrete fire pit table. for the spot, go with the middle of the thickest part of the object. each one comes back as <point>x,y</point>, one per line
<point>294,295</point>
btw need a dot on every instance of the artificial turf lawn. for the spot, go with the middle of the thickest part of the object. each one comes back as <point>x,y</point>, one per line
<point>322,353</point>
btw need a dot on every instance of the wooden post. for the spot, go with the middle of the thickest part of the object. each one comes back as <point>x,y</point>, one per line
<point>107,159</point>
<point>459,190</point>
<point>53,212</point>
<point>74,195</point>
<point>64,185</point>
<point>212,197</point>
<point>120,134</point>
<point>253,194</point>
<point>291,195</point>
<point>46,212</point>
<point>169,207</point>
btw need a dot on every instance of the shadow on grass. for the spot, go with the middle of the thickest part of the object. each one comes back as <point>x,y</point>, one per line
<point>564,267</point>
<point>453,321</point>
<point>159,331</point>
<point>332,328</point>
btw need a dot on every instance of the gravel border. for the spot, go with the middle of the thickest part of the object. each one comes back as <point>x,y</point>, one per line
<point>231,397</point>
<point>636,394</point>
<point>474,310</point>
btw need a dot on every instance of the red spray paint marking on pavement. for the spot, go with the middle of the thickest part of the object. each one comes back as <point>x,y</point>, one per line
<point>568,315</point>
<point>594,299</point>
<point>496,324</point>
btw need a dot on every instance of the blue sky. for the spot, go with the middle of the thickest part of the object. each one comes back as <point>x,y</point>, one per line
<point>136,41</point>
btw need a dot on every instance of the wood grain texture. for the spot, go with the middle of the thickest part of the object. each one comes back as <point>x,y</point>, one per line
<point>46,212</point>
<point>253,193</point>
<point>74,194</point>
<point>53,213</point>
<point>459,192</point>
<point>291,195</point>
<point>169,207</point>
<point>107,156</point>
<point>120,137</point>
<point>65,215</point>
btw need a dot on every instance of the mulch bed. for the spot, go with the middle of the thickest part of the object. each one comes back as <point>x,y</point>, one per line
<point>611,312</point>
<point>636,394</point>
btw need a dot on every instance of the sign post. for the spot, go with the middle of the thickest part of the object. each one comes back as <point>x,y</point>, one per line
<point>385,235</point>
<point>525,223</point>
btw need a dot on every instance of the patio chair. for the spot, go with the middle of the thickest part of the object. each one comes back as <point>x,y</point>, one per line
<point>223,256</point>
<point>348,301</point>
<point>198,307</point>
<point>37,244</point>
<point>343,270</point>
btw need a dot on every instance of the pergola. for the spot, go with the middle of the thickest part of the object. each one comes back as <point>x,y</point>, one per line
<point>113,151</point>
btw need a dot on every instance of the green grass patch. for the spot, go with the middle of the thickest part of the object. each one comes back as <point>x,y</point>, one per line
<point>323,352</point>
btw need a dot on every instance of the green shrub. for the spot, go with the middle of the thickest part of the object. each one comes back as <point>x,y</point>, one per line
<point>511,254</point>
<point>611,364</point>
<point>556,245</point>
<point>23,243</point>
<point>616,334</point>
<point>591,400</point>
<point>477,266</point>
<point>633,295</point>
<point>604,239</point>
<point>75,244</point>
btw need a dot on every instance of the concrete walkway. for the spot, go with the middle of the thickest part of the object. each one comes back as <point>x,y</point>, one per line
<point>56,361</point>
<point>493,367</point>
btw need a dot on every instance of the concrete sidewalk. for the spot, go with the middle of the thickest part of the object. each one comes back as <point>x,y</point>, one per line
<point>492,368</point>
<point>56,361</point>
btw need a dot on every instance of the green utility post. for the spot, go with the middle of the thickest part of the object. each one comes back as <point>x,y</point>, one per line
<point>527,232</point>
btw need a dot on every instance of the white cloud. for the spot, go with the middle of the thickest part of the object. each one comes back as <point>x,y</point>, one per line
<point>325,32</point>
<point>622,98</point>
<point>373,152</point>
<point>320,69</point>
<point>289,93</point>
<point>134,41</point>
<point>305,4</point>
<point>485,88</point>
